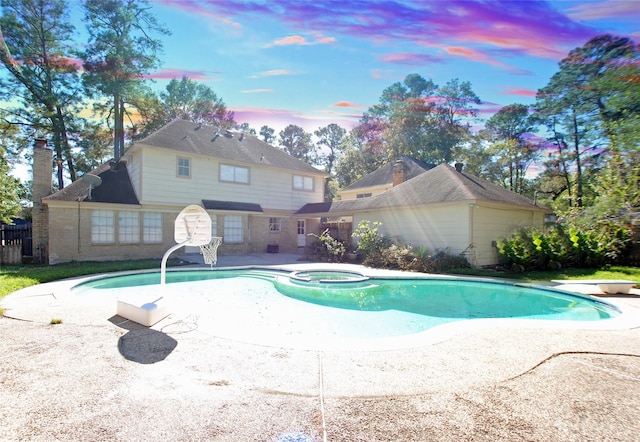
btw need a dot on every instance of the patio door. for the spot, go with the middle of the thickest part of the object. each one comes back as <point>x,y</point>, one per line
<point>302,237</point>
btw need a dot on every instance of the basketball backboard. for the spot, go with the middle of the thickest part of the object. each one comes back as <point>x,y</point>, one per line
<point>192,226</point>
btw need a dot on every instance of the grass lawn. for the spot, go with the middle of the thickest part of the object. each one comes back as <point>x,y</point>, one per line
<point>14,278</point>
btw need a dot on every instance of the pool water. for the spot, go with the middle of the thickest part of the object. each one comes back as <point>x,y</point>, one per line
<point>252,304</point>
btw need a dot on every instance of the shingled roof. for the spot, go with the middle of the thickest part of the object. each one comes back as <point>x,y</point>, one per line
<point>193,138</point>
<point>115,187</point>
<point>442,184</point>
<point>384,175</point>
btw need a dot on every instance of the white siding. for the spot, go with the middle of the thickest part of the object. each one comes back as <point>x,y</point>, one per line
<point>435,228</point>
<point>448,227</point>
<point>353,194</point>
<point>270,187</point>
<point>134,169</point>
<point>493,224</point>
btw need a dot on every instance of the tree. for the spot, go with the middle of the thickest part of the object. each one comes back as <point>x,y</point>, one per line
<point>330,138</point>
<point>297,143</point>
<point>506,131</point>
<point>35,48</point>
<point>361,154</point>
<point>328,148</point>
<point>245,128</point>
<point>9,192</point>
<point>184,99</point>
<point>119,53</point>
<point>422,120</point>
<point>586,99</point>
<point>195,102</point>
<point>267,134</point>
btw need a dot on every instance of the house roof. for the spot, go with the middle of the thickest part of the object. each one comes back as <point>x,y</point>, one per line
<point>442,184</point>
<point>384,175</point>
<point>193,138</point>
<point>231,205</point>
<point>115,188</point>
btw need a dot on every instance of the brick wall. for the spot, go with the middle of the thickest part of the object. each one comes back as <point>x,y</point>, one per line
<point>42,174</point>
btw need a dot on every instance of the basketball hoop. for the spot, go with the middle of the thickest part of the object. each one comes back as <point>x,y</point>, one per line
<point>192,227</point>
<point>210,250</point>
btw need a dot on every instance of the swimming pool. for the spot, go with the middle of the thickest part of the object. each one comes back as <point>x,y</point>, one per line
<point>306,308</point>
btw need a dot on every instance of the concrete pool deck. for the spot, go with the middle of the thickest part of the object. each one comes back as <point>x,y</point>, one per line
<point>99,377</point>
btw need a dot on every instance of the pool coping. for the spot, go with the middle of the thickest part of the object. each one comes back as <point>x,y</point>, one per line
<point>64,303</point>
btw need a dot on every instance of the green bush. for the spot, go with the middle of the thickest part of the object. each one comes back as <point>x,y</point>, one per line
<point>328,246</point>
<point>371,243</point>
<point>380,251</point>
<point>563,245</point>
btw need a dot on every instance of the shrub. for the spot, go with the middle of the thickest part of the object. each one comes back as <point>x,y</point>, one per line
<point>371,243</point>
<point>380,251</point>
<point>330,247</point>
<point>562,245</point>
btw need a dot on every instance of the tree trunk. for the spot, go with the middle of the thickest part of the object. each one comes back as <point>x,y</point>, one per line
<point>576,143</point>
<point>117,120</point>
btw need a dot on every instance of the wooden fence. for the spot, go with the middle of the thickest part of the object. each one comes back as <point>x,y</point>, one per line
<point>16,242</point>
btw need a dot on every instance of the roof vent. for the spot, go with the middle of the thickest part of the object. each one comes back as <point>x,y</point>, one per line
<point>459,166</point>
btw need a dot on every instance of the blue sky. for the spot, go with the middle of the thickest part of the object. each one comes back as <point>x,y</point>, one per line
<point>280,62</point>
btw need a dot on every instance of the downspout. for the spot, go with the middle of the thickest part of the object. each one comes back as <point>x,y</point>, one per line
<point>78,226</point>
<point>472,248</point>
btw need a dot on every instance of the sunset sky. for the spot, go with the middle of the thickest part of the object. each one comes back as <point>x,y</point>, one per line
<point>280,62</point>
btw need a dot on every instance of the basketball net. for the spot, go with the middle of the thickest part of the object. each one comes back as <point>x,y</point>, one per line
<point>210,250</point>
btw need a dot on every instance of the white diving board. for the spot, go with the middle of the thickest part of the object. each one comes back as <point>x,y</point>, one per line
<point>609,286</point>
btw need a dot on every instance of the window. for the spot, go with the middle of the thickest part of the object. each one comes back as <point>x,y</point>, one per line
<point>275,224</point>
<point>363,195</point>
<point>102,227</point>
<point>233,229</point>
<point>152,227</point>
<point>302,182</point>
<point>184,167</point>
<point>214,225</point>
<point>234,174</point>
<point>128,228</point>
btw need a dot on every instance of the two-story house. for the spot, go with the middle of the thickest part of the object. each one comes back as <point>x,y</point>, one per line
<point>250,189</point>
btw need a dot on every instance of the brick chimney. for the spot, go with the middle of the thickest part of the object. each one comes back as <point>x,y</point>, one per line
<point>399,172</point>
<point>42,186</point>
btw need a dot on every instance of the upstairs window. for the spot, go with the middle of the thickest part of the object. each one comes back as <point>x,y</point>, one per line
<point>363,195</point>
<point>184,167</point>
<point>303,183</point>
<point>234,174</point>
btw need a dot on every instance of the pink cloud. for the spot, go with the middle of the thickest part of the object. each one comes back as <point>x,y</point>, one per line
<point>169,74</point>
<point>301,41</point>
<point>346,104</point>
<point>410,59</point>
<point>278,119</point>
<point>273,73</point>
<point>382,74</point>
<point>291,40</point>
<point>521,92</point>
<point>199,9</point>
<point>527,27</point>
<point>605,9</point>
